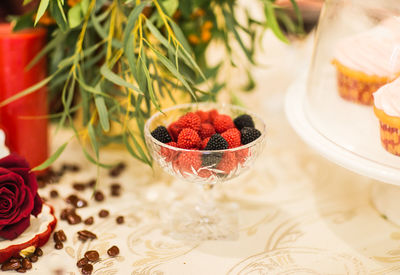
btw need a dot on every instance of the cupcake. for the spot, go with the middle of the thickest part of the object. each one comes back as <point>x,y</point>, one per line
<point>387,109</point>
<point>367,61</point>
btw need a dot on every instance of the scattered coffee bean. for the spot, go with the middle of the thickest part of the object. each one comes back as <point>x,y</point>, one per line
<point>79,186</point>
<point>65,212</point>
<point>74,218</point>
<point>13,260</point>
<point>92,255</point>
<point>120,219</point>
<point>26,264</point>
<point>58,245</point>
<point>76,201</point>
<point>82,262</point>
<point>21,270</point>
<point>113,251</point>
<point>71,199</point>
<point>115,186</point>
<point>39,251</point>
<point>89,221</point>
<point>115,193</point>
<point>59,236</point>
<point>70,167</point>
<point>87,269</point>
<point>75,168</point>
<point>10,266</point>
<point>84,235</point>
<point>91,183</point>
<point>98,196</point>
<point>103,213</point>
<point>53,194</point>
<point>33,258</point>
<point>116,171</point>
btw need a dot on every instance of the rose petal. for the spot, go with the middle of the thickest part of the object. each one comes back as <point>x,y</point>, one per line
<point>37,208</point>
<point>12,161</point>
<point>12,231</point>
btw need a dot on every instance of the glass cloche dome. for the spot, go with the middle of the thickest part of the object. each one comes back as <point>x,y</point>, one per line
<point>352,91</point>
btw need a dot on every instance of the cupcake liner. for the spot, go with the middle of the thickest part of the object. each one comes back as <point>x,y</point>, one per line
<point>356,86</point>
<point>389,131</point>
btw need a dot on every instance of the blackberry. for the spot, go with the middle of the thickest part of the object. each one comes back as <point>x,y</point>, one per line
<point>243,121</point>
<point>249,134</point>
<point>161,134</point>
<point>216,142</point>
<point>211,160</point>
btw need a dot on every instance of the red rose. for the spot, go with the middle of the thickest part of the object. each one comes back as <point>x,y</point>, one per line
<point>18,196</point>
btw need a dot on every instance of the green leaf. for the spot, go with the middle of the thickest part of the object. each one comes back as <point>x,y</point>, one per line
<point>28,91</point>
<point>170,66</point>
<point>170,6</point>
<point>114,78</point>
<point>130,24</point>
<point>57,13</point>
<point>272,22</point>
<point>149,83</point>
<point>103,113</point>
<point>93,140</point>
<point>84,6</point>
<point>26,2</point>
<point>75,16</point>
<point>23,22</point>
<point>52,158</point>
<point>299,16</point>
<point>41,10</point>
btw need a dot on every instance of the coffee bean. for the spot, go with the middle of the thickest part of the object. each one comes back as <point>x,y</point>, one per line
<point>113,251</point>
<point>59,236</point>
<point>115,193</point>
<point>10,266</point>
<point>92,255</point>
<point>53,194</point>
<point>86,234</point>
<point>87,269</point>
<point>26,264</point>
<point>71,199</point>
<point>76,201</point>
<point>82,262</point>
<point>64,213</point>
<point>114,172</point>
<point>98,196</point>
<point>74,219</point>
<point>39,251</point>
<point>75,168</point>
<point>79,186</point>
<point>80,203</point>
<point>33,258</point>
<point>120,219</point>
<point>58,245</point>
<point>13,260</point>
<point>91,183</point>
<point>21,270</point>
<point>89,221</point>
<point>103,213</point>
<point>115,186</point>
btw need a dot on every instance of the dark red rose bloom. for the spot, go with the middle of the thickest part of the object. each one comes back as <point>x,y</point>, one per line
<point>18,196</point>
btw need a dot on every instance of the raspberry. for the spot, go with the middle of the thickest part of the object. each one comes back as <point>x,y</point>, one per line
<point>167,153</point>
<point>188,139</point>
<point>243,121</point>
<point>216,142</point>
<point>232,136</point>
<point>189,161</point>
<point>174,130</point>
<point>190,120</point>
<point>249,134</point>
<point>204,143</point>
<point>203,116</point>
<point>227,163</point>
<point>241,155</point>
<point>161,134</point>
<point>212,115</point>
<point>206,130</point>
<point>223,123</point>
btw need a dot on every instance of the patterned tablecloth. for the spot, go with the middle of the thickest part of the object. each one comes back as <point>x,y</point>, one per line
<point>299,213</point>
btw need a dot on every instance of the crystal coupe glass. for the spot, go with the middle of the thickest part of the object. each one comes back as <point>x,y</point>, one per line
<point>204,219</point>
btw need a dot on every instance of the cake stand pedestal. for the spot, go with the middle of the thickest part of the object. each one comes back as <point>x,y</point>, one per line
<point>347,134</point>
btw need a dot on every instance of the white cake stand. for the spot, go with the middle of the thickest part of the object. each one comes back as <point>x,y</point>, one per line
<point>347,134</point>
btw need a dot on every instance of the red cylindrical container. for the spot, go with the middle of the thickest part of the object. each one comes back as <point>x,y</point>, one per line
<point>24,120</point>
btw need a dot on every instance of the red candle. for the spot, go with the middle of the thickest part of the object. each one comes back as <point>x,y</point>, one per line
<point>23,121</point>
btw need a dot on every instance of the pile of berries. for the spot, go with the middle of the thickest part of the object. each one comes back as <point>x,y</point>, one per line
<point>208,131</point>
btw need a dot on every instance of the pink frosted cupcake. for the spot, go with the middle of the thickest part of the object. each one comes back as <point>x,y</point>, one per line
<point>367,61</point>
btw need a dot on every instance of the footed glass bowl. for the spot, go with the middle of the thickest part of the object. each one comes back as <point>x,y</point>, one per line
<point>204,219</point>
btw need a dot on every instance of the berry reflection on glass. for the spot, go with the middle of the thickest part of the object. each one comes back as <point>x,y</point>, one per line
<point>205,143</point>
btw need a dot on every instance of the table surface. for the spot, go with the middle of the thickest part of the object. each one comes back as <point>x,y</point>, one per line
<point>299,213</point>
